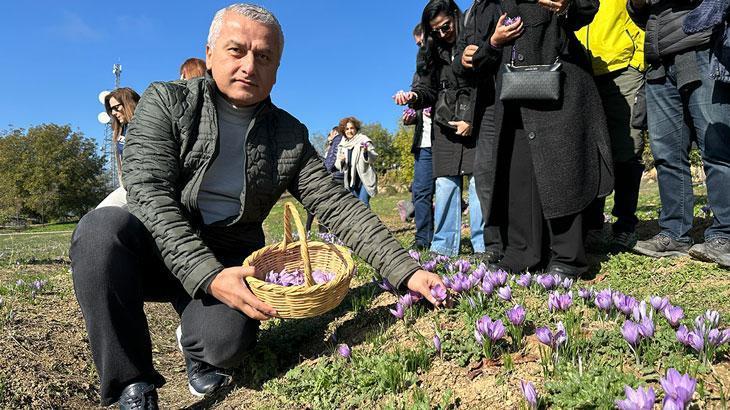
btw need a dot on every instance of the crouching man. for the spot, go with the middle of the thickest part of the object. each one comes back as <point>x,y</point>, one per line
<point>206,161</point>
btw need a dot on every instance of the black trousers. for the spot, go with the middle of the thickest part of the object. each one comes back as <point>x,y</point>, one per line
<point>625,199</point>
<point>116,268</point>
<point>528,240</point>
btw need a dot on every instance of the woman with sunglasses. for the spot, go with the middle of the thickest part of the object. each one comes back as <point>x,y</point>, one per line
<point>453,145</point>
<point>543,158</point>
<point>120,105</point>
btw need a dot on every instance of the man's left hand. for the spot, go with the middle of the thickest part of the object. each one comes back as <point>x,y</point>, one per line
<point>422,282</point>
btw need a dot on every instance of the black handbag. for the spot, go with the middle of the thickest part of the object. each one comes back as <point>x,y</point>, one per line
<point>531,82</point>
<point>453,105</point>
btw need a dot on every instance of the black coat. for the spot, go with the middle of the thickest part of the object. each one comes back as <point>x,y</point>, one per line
<point>568,139</point>
<point>453,155</point>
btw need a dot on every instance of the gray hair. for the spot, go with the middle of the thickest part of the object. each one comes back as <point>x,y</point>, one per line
<point>250,11</point>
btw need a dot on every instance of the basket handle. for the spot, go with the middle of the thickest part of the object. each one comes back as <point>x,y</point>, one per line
<point>290,212</point>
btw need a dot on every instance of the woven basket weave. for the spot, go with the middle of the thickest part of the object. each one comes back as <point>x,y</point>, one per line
<point>310,299</point>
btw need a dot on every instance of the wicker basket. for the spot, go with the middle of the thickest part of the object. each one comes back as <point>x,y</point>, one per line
<point>310,299</point>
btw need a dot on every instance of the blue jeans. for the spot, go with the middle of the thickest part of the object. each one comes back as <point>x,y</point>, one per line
<point>362,194</point>
<point>708,107</point>
<point>423,197</point>
<point>447,217</point>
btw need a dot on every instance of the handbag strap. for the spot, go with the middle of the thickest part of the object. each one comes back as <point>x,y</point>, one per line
<point>514,52</point>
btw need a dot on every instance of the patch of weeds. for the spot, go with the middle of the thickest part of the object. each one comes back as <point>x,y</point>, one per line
<point>334,382</point>
<point>361,300</point>
<point>377,337</point>
<point>595,387</point>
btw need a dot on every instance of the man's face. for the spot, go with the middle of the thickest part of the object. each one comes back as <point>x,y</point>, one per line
<point>244,60</point>
<point>442,27</point>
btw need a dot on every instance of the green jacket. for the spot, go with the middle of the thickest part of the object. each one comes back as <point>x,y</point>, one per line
<point>172,141</point>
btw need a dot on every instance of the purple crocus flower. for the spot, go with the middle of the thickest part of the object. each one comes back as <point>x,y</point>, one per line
<point>516,315</point>
<point>714,337</point>
<point>544,335</point>
<point>480,271</point>
<point>647,328</point>
<point>554,340</point>
<point>696,341</point>
<point>529,393</point>
<point>415,255</point>
<point>500,277</point>
<point>437,343</point>
<point>406,301</point>
<point>447,281</point>
<point>673,314</point>
<point>460,283</point>
<point>659,303</point>
<point>639,399</point>
<point>479,337</point>
<point>567,283</point>
<point>683,335</point>
<point>641,312</point>
<point>546,281</point>
<point>712,317</point>
<point>496,330</point>
<point>429,266</point>
<point>344,350</point>
<point>603,300</point>
<point>505,293</point>
<point>386,286</point>
<point>630,332</point>
<point>525,280</point>
<point>487,286</point>
<point>678,388</point>
<point>556,301</point>
<point>462,265</point>
<point>399,311</point>
<point>438,292</point>
<point>585,294</point>
<point>624,303</point>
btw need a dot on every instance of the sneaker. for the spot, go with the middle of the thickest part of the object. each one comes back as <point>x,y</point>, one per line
<point>715,250</point>
<point>139,396</point>
<point>203,378</point>
<point>623,242</point>
<point>662,246</point>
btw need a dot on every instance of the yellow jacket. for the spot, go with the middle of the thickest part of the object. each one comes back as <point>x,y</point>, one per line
<point>612,39</point>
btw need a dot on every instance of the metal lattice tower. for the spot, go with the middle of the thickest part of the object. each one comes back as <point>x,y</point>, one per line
<point>109,146</point>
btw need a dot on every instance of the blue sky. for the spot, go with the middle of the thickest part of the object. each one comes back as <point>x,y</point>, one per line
<point>341,57</point>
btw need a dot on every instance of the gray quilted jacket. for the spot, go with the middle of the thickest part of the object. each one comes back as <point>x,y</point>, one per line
<point>173,139</point>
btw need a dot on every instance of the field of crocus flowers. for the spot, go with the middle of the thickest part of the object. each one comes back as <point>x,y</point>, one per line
<point>635,333</point>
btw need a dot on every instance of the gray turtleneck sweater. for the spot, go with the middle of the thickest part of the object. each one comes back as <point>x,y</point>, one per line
<point>219,197</point>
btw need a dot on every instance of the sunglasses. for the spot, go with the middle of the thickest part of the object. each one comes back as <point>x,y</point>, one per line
<point>443,29</point>
<point>116,108</point>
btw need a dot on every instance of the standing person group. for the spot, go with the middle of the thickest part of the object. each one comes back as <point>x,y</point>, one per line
<point>548,155</point>
<point>452,145</point>
<point>687,102</point>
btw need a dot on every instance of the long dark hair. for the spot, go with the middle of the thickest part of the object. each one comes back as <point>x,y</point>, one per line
<point>430,12</point>
<point>129,99</point>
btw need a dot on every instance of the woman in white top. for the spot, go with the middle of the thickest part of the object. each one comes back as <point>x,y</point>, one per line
<point>355,158</point>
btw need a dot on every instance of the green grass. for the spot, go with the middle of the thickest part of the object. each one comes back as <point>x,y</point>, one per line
<point>394,366</point>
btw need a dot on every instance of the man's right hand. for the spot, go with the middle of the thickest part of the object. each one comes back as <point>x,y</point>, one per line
<point>230,287</point>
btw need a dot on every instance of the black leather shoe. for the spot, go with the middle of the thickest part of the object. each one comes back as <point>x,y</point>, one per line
<point>562,272</point>
<point>139,396</point>
<point>204,378</point>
